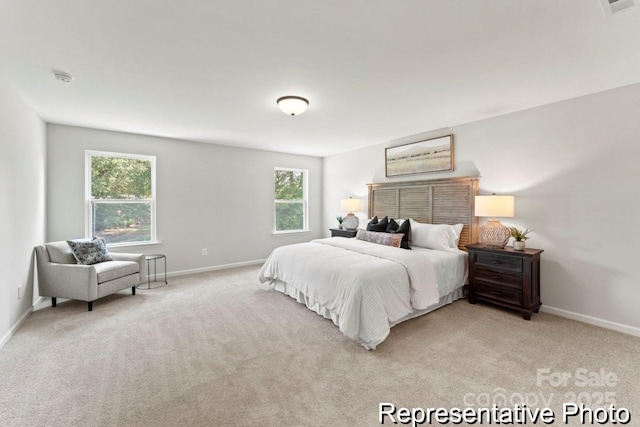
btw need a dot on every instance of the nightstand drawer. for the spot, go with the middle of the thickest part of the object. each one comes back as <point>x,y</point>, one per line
<point>499,293</point>
<point>498,278</point>
<point>499,262</point>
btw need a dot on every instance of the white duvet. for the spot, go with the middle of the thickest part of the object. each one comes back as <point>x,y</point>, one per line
<point>363,287</point>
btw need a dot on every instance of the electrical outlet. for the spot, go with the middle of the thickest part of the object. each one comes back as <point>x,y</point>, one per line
<point>20,290</point>
<point>204,251</point>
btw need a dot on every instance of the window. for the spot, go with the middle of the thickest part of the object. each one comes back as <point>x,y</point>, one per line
<point>290,200</point>
<point>120,197</point>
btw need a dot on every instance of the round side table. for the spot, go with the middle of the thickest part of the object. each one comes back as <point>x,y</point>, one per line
<point>155,258</point>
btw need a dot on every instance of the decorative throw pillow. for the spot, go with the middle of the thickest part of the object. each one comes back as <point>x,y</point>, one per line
<point>392,226</point>
<point>380,238</point>
<point>89,251</point>
<point>404,228</point>
<point>371,223</point>
<point>376,225</point>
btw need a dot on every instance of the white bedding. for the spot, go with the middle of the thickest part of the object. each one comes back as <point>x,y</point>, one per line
<point>364,287</point>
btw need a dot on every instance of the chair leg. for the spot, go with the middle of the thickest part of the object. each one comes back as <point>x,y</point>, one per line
<point>90,303</point>
<point>133,290</point>
<point>53,302</point>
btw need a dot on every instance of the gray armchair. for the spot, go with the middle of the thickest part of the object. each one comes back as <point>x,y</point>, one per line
<point>59,276</point>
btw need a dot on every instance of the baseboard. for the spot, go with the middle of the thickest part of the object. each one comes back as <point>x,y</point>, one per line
<point>214,268</point>
<point>16,326</point>
<point>38,301</point>
<point>625,329</point>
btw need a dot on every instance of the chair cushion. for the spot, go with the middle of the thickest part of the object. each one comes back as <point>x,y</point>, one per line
<point>111,270</point>
<point>60,253</point>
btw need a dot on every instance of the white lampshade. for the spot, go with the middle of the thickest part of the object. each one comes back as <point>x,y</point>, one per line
<point>351,205</point>
<point>495,206</point>
<point>493,233</point>
<point>293,105</point>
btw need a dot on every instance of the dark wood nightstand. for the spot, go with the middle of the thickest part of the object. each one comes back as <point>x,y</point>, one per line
<point>505,277</point>
<point>341,232</point>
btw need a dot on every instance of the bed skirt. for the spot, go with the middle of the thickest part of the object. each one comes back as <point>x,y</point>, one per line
<point>457,294</point>
<point>311,304</point>
<point>325,312</point>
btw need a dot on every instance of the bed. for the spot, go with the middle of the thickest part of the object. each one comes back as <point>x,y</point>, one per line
<point>367,288</point>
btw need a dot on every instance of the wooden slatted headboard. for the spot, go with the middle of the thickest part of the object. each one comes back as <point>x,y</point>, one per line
<point>437,201</point>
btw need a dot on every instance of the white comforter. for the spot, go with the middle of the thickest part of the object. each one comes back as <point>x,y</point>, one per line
<point>363,287</point>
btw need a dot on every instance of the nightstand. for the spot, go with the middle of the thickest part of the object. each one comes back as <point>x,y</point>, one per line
<point>505,277</point>
<point>341,232</point>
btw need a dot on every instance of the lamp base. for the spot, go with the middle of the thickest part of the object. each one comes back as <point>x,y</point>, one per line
<point>494,234</point>
<point>350,221</point>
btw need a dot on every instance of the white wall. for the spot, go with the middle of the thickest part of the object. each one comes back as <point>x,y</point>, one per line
<point>208,196</point>
<point>573,168</point>
<point>22,207</point>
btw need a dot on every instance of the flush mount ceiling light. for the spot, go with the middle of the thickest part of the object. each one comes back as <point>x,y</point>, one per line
<point>292,105</point>
<point>62,76</point>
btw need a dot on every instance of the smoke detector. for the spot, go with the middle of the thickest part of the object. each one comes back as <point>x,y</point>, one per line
<point>611,7</point>
<point>62,76</point>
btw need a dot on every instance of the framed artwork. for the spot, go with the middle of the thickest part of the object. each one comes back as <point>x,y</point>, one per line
<point>431,155</point>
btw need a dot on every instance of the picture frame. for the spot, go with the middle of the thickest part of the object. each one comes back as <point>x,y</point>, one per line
<point>430,155</point>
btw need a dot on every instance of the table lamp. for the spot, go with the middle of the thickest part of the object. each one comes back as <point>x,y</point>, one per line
<point>351,205</point>
<point>493,233</point>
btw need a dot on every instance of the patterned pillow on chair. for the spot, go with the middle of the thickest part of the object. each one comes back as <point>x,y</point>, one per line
<point>89,251</point>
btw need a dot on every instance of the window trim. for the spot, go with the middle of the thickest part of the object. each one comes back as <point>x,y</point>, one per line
<point>305,201</point>
<point>88,201</point>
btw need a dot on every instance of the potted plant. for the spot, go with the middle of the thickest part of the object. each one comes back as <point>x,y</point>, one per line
<point>340,218</point>
<point>520,237</point>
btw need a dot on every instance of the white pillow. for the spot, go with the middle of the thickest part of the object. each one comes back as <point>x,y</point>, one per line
<point>457,229</point>
<point>440,237</point>
<point>362,225</point>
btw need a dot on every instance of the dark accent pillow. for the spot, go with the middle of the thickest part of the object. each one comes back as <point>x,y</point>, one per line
<point>405,229</point>
<point>392,227</point>
<point>379,226</point>
<point>89,251</point>
<point>373,222</point>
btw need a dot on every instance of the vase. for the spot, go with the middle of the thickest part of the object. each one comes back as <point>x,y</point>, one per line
<point>519,245</point>
<point>340,226</point>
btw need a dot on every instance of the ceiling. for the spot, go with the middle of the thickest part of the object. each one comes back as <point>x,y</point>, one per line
<point>374,70</point>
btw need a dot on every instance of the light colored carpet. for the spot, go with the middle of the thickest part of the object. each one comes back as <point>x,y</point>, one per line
<point>219,349</point>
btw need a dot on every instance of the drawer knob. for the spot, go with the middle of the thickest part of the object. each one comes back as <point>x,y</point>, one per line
<point>496,277</point>
<point>496,293</point>
<point>495,261</point>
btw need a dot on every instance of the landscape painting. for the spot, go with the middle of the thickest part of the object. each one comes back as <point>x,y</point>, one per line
<point>432,155</point>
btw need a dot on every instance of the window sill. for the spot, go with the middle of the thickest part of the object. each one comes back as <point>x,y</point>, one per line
<point>132,245</point>
<point>288,232</point>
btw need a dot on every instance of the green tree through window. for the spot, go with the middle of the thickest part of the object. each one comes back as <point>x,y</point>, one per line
<point>120,178</point>
<point>121,197</point>
<point>290,199</point>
